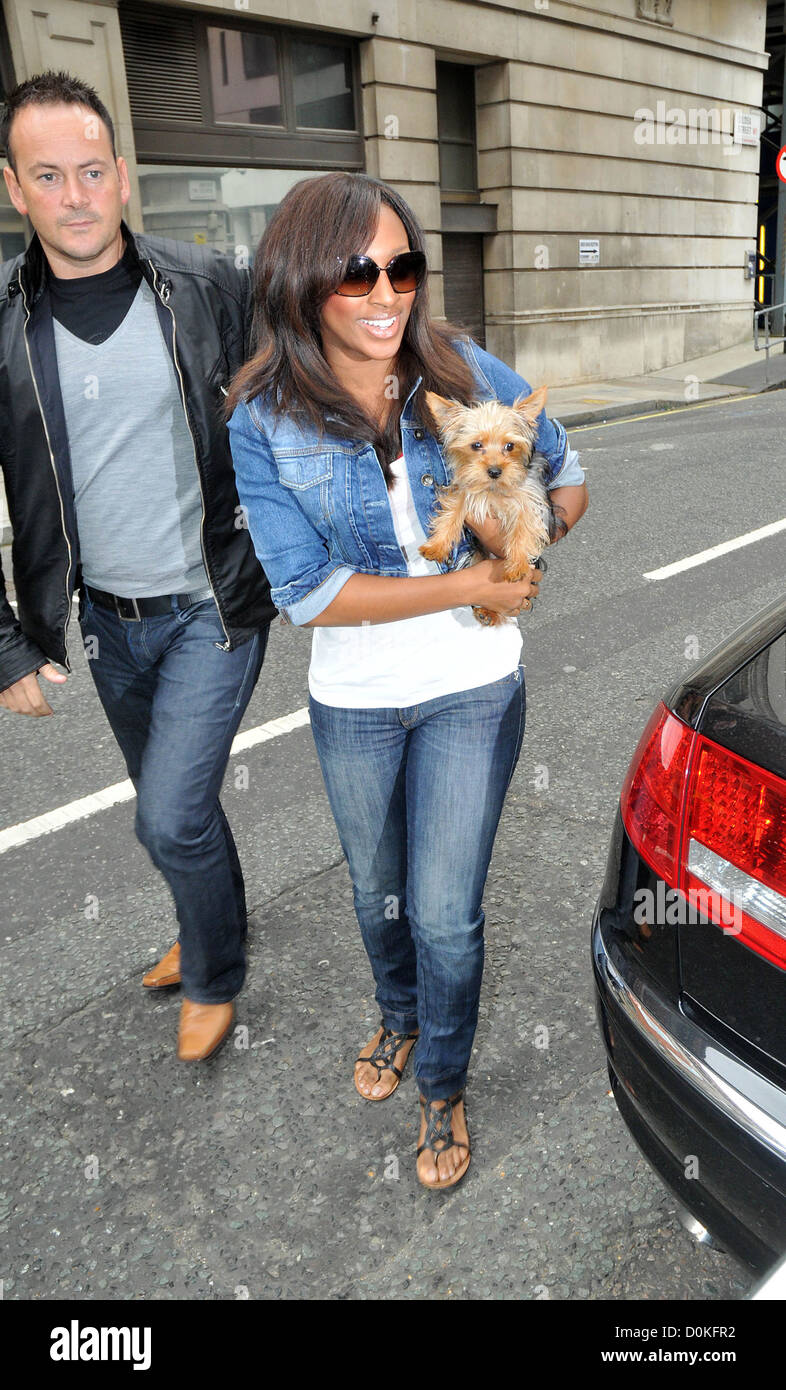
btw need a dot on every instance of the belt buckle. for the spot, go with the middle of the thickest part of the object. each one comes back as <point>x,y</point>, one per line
<point>134,617</point>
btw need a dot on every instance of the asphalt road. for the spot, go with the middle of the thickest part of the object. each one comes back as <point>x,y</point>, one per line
<point>262,1173</point>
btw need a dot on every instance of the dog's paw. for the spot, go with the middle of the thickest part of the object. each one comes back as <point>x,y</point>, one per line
<point>432,550</point>
<point>487,617</point>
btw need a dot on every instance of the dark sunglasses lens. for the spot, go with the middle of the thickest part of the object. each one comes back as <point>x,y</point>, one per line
<point>406,272</point>
<point>360,277</point>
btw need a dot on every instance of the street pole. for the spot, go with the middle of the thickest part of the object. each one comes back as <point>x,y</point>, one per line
<point>779,283</point>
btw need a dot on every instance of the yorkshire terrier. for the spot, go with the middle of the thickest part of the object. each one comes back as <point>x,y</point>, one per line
<point>489,449</point>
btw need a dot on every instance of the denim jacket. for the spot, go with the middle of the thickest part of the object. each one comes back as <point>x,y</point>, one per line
<point>317,506</point>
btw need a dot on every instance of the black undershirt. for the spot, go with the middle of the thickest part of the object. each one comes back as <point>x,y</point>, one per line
<point>92,307</point>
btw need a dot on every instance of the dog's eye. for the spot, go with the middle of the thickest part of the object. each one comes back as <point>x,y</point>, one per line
<point>477,444</point>
<point>509,448</point>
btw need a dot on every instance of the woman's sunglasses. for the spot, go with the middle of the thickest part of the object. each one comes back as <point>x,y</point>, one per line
<point>405,273</point>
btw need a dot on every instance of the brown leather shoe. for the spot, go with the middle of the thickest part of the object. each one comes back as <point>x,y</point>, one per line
<point>203,1028</point>
<point>167,972</point>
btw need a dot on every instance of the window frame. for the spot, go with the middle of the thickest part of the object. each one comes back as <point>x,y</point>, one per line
<point>241,144</point>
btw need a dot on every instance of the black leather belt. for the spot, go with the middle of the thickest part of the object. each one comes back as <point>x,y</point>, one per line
<point>133,610</point>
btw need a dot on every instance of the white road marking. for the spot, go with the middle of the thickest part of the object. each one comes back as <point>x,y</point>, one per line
<point>101,800</point>
<point>723,549</point>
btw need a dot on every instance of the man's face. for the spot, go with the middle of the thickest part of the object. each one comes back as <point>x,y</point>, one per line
<point>69,185</point>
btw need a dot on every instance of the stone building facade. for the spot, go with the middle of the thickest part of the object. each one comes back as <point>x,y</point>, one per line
<point>575,166</point>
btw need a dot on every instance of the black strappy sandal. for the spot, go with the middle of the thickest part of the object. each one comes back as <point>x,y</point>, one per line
<point>439,1130</point>
<point>384,1058</point>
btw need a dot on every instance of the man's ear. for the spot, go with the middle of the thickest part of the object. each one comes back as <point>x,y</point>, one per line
<point>125,182</point>
<point>14,191</point>
<point>441,409</point>
<point>529,407</point>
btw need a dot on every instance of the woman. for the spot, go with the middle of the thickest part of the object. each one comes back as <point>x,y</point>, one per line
<point>417,710</point>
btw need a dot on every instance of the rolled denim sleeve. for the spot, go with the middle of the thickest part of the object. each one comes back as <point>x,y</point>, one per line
<point>295,558</point>
<point>571,473</point>
<point>551,440</point>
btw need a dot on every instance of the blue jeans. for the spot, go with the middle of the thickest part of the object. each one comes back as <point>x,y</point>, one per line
<point>174,702</point>
<point>417,794</point>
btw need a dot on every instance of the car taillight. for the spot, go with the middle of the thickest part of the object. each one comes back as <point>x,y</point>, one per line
<point>734,844</point>
<point>652,793</point>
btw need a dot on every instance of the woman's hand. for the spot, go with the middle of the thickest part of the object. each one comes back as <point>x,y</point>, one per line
<point>490,589</point>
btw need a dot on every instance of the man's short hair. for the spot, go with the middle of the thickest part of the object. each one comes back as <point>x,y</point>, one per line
<point>51,89</point>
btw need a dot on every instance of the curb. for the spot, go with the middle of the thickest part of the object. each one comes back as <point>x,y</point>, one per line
<point>627,409</point>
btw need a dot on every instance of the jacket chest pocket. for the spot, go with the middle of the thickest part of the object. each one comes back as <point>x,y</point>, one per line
<point>303,471</point>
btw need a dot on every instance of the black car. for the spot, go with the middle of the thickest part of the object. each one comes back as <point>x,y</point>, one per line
<point>689,942</point>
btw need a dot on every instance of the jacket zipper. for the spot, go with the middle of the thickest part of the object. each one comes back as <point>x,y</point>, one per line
<point>69,598</point>
<point>163,295</point>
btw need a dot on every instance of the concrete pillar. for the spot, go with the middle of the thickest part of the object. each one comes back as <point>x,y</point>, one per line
<point>494,141</point>
<point>400,122</point>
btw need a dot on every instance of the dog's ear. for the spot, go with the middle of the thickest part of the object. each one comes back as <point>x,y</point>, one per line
<point>441,409</point>
<point>530,406</point>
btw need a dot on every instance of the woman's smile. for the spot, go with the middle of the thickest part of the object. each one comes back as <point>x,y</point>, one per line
<point>382,326</point>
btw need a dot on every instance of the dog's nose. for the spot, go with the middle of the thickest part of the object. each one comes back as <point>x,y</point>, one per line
<point>495,472</point>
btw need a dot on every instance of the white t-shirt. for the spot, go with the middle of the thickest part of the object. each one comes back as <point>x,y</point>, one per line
<point>395,665</point>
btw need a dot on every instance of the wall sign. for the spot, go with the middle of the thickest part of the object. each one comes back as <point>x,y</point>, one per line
<point>747,127</point>
<point>202,190</point>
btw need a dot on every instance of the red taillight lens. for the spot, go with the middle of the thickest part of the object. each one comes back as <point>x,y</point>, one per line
<point>651,799</point>
<point>732,863</point>
<point>737,811</point>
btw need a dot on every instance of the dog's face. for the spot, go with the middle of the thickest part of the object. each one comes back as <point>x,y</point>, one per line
<point>489,445</point>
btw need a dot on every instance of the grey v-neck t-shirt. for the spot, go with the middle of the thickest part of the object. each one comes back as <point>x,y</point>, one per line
<point>136,487</point>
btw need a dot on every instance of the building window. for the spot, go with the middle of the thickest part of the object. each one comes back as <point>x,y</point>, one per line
<point>456,128</point>
<point>239,93</point>
<point>227,209</point>
<point>322,83</point>
<point>244,80</point>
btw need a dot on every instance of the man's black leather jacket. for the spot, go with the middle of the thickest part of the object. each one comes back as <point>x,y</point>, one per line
<point>203,304</point>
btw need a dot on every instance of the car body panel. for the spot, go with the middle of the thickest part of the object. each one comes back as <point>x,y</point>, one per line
<point>694,1020</point>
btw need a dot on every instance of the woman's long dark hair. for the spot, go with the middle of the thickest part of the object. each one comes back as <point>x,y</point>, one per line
<point>296,268</point>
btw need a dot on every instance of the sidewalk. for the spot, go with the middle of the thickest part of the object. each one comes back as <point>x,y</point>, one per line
<point>735,371</point>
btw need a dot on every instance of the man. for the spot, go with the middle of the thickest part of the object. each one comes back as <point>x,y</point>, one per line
<point>114,353</point>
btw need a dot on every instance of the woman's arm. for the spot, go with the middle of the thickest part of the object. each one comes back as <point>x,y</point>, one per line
<point>570,502</point>
<point>375,598</point>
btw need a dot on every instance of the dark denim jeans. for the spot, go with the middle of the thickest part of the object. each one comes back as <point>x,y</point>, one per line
<point>417,795</point>
<point>174,702</point>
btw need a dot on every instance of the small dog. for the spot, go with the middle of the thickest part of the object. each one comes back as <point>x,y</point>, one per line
<point>489,451</point>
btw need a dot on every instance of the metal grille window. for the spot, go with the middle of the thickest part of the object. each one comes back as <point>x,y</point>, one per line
<point>239,93</point>
<point>462,268</point>
<point>162,65</point>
